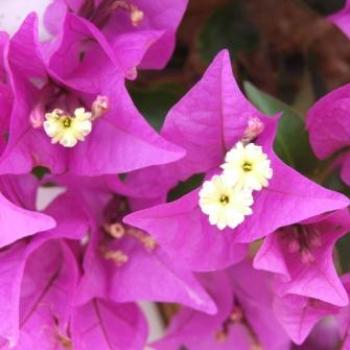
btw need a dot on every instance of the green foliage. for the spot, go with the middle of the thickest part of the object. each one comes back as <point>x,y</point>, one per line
<point>291,143</point>
<point>325,7</point>
<point>155,103</point>
<point>343,249</point>
<point>185,187</point>
<point>228,28</point>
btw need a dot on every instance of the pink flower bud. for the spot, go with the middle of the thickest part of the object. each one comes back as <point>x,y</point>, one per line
<point>254,129</point>
<point>99,106</point>
<point>37,116</point>
<point>131,74</point>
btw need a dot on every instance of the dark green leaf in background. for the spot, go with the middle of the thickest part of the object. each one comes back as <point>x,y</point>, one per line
<point>155,103</point>
<point>228,28</point>
<point>334,182</point>
<point>325,7</point>
<point>343,249</point>
<point>291,143</point>
<point>185,187</point>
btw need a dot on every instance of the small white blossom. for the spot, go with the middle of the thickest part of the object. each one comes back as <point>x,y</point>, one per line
<point>248,165</point>
<point>68,130</point>
<point>224,203</point>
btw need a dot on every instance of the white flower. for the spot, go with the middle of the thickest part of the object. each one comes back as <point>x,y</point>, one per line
<point>68,130</point>
<point>224,203</point>
<point>248,165</point>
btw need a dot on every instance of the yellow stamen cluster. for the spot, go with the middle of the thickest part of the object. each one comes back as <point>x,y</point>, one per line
<point>118,231</point>
<point>227,198</point>
<point>117,256</point>
<point>135,13</point>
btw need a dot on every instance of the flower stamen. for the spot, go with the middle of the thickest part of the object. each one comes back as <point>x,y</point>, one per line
<point>254,129</point>
<point>117,256</point>
<point>118,231</point>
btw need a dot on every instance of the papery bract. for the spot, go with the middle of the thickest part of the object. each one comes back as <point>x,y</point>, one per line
<point>6,96</point>
<point>341,19</point>
<point>131,266</point>
<point>151,39</point>
<point>244,319</point>
<point>18,216</point>
<point>298,315</point>
<point>207,122</point>
<point>324,336</point>
<point>343,318</point>
<point>328,124</point>
<point>14,262</point>
<point>105,325</point>
<point>302,257</point>
<point>35,293</point>
<point>47,292</point>
<point>120,140</point>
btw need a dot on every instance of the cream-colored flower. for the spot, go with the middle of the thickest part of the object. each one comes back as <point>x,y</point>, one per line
<point>248,165</point>
<point>68,130</point>
<point>225,204</point>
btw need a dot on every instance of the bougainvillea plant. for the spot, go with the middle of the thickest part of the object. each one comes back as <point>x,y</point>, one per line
<point>230,215</point>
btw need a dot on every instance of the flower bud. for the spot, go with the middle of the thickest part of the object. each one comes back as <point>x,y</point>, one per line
<point>254,129</point>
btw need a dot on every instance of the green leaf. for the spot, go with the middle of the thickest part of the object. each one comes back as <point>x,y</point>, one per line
<point>185,187</point>
<point>343,246</point>
<point>326,7</point>
<point>155,103</point>
<point>335,183</point>
<point>291,144</point>
<point>228,28</point>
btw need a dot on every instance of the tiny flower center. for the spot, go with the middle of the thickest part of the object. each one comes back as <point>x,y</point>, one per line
<point>66,122</point>
<point>247,166</point>
<point>224,199</point>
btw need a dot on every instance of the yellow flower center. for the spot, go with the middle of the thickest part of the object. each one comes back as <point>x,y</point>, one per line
<point>224,199</point>
<point>247,166</point>
<point>66,122</point>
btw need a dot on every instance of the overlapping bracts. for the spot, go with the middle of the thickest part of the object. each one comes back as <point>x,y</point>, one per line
<point>247,255</point>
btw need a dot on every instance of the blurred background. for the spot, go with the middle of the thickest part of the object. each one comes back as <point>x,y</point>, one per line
<point>286,48</point>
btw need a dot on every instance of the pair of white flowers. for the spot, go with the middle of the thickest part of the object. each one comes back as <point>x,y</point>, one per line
<point>227,198</point>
